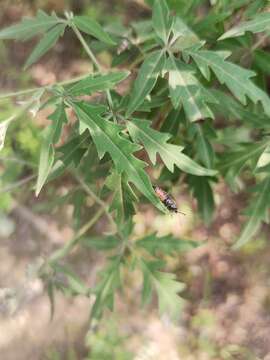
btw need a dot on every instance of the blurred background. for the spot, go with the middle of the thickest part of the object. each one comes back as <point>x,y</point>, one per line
<point>227,313</point>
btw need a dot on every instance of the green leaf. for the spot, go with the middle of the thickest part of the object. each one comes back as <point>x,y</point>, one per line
<point>30,27</point>
<point>105,290</point>
<point>204,148</point>
<point>3,130</point>
<point>48,41</point>
<point>236,78</point>
<point>106,137</point>
<point>258,212</point>
<point>123,197</point>
<point>166,286</point>
<point>183,36</point>
<point>74,283</point>
<point>233,161</point>
<point>59,119</point>
<point>203,193</point>
<point>145,80</point>
<point>156,142</point>
<point>162,20</point>
<point>46,159</point>
<point>100,242</point>
<point>264,159</point>
<point>91,27</point>
<point>95,83</point>
<point>262,60</point>
<point>228,107</point>
<point>185,89</point>
<point>261,22</point>
<point>166,245</point>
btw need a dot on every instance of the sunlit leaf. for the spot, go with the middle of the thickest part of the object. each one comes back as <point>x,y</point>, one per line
<point>260,22</point>
<point>185,89</point>
<point>162,20</point>
<point>145,80</point>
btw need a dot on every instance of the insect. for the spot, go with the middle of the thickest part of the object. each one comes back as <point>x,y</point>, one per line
<point>167,200</point>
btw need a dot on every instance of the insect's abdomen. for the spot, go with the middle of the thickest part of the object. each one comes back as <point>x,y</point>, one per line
<point>160,193</point>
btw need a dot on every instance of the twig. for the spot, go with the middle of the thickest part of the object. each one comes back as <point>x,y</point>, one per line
<point>17,184</point>
<point>60,253</point>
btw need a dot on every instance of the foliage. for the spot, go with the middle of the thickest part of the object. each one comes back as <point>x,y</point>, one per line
<point>190,103</point>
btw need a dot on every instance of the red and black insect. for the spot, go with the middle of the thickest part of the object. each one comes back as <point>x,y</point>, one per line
<point>166,200</point>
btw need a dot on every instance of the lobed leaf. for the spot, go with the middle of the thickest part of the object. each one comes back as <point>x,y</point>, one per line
<point>236,78</point>
<point>145,80</point>
<point>258,212</point>
<point>107,139</point>
<point>48,41</point>
<point>260,22</point>
<point>94,83</point>
<point>162,20</point>
<point>167,245</point>
<point>92,27</point>
<point>156,142</point>
<point>30,27</point>
<point>185,89</point>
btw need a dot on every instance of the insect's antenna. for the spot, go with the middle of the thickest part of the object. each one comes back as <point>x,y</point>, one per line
<point>180,212</point>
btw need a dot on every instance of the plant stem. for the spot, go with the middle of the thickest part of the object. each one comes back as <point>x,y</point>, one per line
<point>96,198</point>
<point>17,184</point>
<point>93,59</point>
<point>28,91</point>
<point>60,253</point>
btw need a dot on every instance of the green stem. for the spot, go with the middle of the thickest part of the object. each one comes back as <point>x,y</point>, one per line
<point>46,87</point>
<point>93,59</point>
<point>96,198</point>
<point>60,253</point>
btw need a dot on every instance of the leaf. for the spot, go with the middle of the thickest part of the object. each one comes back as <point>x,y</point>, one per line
<point>260,22</point>
<point>258,212</point>
<point>233,161</point>
<point>59,119</point>
<point>94,83</point>
<point>105,290</point>
<point>30,27</point>
<point>145,80</point>
<point>204,148</point>
<point>123,197</point>
<point>236,78</point>
<point>183,36</point>
<point>3,130</point>
<point>156,142</point>
<point>91,27</point>
<point>106,137</point>
<point>100,242</point>
<point>262,60</point>
<point>166,245</point>
<point>203,193</point>
<point>264,159</point>
<point>46,159</point>
<point>48,41</point>
<point>185,89</point>
<point>228,107</point>
<point>166,286</point>
<point>162,20</point>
